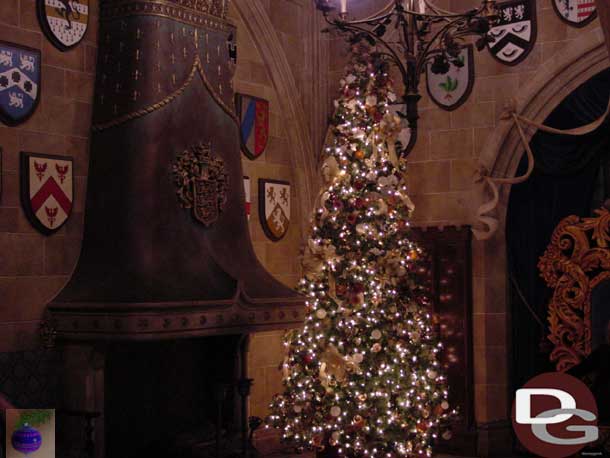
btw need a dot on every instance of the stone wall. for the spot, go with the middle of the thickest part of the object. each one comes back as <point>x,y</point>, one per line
<point>33,268</point>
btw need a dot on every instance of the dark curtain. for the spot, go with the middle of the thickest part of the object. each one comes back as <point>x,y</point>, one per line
<point>570,178</point>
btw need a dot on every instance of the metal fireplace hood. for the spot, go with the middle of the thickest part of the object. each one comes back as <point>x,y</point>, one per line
<point>166,250</point>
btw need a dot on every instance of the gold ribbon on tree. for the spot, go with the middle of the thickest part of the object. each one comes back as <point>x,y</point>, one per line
<point>482,174</point>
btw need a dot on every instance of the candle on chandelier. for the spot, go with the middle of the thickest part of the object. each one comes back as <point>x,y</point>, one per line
<point>343,6</point>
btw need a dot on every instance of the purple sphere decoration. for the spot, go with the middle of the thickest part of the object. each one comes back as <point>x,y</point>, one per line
<point>26,440</point>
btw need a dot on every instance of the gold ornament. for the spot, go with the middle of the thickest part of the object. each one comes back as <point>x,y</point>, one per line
<point>330,169</point>
<point>334,363</point>
<point>359,154</point>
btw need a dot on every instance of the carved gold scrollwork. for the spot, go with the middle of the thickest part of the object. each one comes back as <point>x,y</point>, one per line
<point>574,263</point>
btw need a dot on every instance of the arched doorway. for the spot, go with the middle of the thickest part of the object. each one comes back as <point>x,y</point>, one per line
<point>571,177</point>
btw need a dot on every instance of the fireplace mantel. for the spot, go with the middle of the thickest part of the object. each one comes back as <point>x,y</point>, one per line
<point>158,321</point>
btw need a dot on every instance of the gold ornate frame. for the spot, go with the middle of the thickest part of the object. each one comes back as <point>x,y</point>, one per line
<point>574,263</point>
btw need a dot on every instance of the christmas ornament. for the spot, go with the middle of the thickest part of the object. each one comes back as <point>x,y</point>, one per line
<point>26,439</point>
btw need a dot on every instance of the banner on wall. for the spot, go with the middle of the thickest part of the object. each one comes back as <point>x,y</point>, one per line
<point>514,35</point>
<point>274,207</point>
<point>19,82</point>
<point>64,22</point>
<point>577,13</point>
<point>47,190</point>
<point>253,115</point>
<point>451,89</point>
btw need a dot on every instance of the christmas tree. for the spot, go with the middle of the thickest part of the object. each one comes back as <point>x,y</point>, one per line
<point>363,374</point>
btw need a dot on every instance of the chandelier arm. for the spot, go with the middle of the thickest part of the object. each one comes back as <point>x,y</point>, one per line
<point>426,52</point>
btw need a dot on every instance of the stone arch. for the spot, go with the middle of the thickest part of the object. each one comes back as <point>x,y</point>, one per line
<point>303,156</point>
<point>557,78</point>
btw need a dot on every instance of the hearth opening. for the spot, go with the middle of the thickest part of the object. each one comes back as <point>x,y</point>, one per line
<point>177,398</point>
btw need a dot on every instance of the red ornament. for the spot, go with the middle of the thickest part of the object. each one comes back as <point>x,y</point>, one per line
<point>422,426</point>
<point>358,288</point>
<point>359,203</point>
<point>358,185</point>
<point>307,358</point>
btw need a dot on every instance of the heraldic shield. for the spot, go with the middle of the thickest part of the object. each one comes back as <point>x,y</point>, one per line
<point>274,207</point>
<point>514,35</point>
<point>452,88</point>
<point>19,82</point>
<point>577,13</point>
<point>201,182</point>
<point>254,124</point>
<point>64,22</point>
<point>47,190</point>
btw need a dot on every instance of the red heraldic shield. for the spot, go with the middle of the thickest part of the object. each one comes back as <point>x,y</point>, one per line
<point>254,124</point>
<point>47,190</point>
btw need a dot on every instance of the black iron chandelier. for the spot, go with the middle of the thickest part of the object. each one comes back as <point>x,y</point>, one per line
<point>424,35</point>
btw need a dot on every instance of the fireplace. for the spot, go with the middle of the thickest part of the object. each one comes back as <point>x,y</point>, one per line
<point>167,397</point>
<point>167,287</point>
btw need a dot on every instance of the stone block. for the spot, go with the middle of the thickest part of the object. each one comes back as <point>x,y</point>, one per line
<point>78,149</point>
<point>462,174</point>
<point>9,142</point>
<point>53,81</point>
<point>20,36</point>
<point>8,219</point>
<point>434,119</point>
<point>79,86</point>
<point>42,143</point>
<point>474,115</point>
<point>9,12</point>
<point>10,190</point>
<point>21,254</point>
<point>60,255</point>
<point>496,87</point>
<point>73,59</point>
<point>449,144</point>
<point>90,58</point>
<point>550,27</point>
<point>428,177</point>
<point>278,151</point>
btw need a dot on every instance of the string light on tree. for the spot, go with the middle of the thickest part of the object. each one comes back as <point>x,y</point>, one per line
<point>363,375</point>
